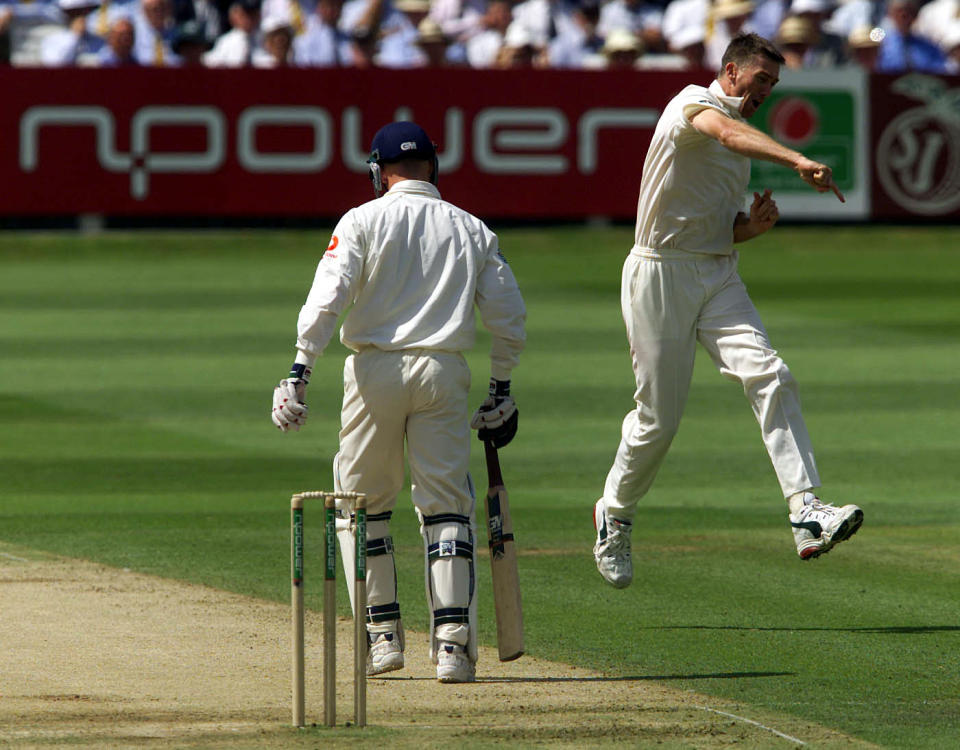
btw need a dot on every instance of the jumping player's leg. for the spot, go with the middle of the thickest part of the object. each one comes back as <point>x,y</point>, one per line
<point>731,331</point>
<point>660,301</point>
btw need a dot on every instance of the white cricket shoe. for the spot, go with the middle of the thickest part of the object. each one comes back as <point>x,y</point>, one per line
<point>612,550</point>
<point>817,526</point>
<point>453,663</point>
<point>385,654</point>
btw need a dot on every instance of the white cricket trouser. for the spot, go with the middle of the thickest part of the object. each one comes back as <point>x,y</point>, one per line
<point>669,303</point>
<point>418,394</point>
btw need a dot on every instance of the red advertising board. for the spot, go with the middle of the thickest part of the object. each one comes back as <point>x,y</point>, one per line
<point>152,142</point>
<point>916,156</point>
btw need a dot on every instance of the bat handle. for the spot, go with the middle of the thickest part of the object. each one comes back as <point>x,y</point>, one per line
<point>494,477</point>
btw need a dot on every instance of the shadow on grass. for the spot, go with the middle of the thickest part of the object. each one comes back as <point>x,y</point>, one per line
<point>896,629</point>
<point>624,678</point>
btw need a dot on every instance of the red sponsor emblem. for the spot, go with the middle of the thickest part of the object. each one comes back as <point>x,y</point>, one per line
<point>332,246</point>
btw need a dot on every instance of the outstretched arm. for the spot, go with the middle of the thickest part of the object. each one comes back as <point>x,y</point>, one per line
<point>744,139</point>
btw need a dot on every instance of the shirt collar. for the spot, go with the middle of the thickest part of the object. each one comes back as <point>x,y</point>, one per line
<point>730,103</point>
<point>418,187</point>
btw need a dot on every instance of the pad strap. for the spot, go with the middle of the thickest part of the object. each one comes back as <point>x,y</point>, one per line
<point>381,546</point>
<point>451,616</point>
<point>446,518</point>
<point>383,613</point>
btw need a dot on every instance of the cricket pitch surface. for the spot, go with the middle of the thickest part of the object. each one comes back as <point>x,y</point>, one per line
<point>98,657</point>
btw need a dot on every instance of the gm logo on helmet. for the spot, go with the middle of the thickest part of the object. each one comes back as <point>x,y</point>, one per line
<point>408,146</point>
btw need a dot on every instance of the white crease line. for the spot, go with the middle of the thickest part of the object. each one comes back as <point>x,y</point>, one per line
<point>13,557</point>
<point>755,723</point>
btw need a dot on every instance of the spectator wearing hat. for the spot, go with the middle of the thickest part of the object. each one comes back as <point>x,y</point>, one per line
<point>863,46</point>
<point>936,21</point>
<point>323,44</point>
<point>827,50</point>
<point>622,49</point>
<point>643,18</point>
<point>581,46</point>
<point>795,38</point>
<point>276,42</point>
<point>235,48</point>
<point>728,18</point>
<point>154,27</point>
<point>902,50</point>
<point>520,49</point>
<point>439,50</point>
<point>73,45</point>
<point>484,47</point>
<point>190,44</point>
<point>297,12</point>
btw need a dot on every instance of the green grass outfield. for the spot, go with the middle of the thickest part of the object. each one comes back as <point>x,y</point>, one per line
<point>136,379</point>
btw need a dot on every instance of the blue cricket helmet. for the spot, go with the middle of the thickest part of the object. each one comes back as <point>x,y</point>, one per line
<point>398,141</point>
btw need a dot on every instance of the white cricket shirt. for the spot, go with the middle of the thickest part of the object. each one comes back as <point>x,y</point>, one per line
<point>692,187</point>
<point>413,266</point>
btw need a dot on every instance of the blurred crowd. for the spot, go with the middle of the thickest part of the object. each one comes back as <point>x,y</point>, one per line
<point>880,35</point>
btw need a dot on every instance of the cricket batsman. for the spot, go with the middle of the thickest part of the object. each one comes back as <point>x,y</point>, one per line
<point>680,285</point>
<point>411,268</point>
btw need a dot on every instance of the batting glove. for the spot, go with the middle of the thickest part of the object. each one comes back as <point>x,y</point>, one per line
<point>496,419</point>
<point>289,410</point>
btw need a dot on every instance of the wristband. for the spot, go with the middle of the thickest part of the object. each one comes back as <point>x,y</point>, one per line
<point>301,372</point>
<point>499,388</point>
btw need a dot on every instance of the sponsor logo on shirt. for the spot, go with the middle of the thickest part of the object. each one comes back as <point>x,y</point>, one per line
<point>334,241</point>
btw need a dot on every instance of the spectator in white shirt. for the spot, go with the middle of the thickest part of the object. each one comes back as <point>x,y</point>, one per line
<point>74,45</point>
<point>687,43</point>
<point>936,20</point>
<point>323,44</point>
<point>730,17</point>
<point>483,47</point>
<point>582,45</point>
<point>460,19</point>
<point>155,28</point>
<point>545,20</point>
<point>119,50</point>
<point>950,43</point>
<point>235,48</point>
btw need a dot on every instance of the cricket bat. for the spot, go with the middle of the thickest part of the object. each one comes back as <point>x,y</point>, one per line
<point>503,562</point>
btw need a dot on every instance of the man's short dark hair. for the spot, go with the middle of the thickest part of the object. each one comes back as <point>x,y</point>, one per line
<point>743,48</point>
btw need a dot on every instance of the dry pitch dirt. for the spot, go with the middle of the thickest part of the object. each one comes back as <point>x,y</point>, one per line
<point>97,657</point>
